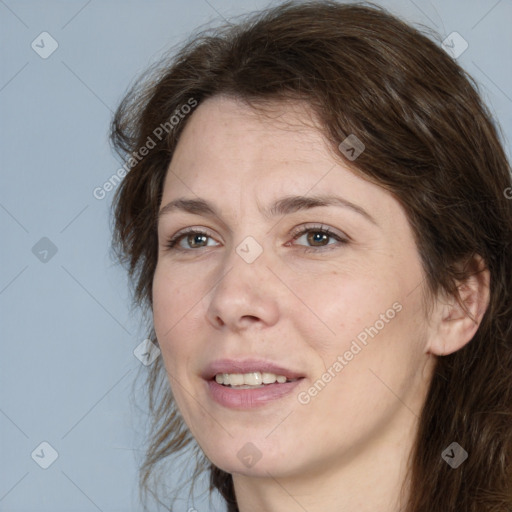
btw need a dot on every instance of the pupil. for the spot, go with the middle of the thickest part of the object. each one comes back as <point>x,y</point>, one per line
<point>195,239</point>
<point>321,235</point>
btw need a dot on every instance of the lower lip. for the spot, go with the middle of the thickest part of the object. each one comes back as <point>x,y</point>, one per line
<point>249,398</point>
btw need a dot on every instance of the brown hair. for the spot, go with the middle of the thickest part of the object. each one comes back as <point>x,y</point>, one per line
<point>430,141</point>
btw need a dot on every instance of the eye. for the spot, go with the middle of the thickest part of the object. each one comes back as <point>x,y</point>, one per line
<point>317,235</point>
<point>194,237</point>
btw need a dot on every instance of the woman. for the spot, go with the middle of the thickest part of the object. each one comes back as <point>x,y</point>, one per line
<point>316,216</point>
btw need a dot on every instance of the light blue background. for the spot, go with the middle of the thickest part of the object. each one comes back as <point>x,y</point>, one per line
<point>68,375</point>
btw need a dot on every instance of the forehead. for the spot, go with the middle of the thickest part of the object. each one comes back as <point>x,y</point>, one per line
<point>228,150</point>
<point>225,130</point>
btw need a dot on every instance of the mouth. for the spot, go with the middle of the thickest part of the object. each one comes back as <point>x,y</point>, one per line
<point>245,384</point>
<point>250,380</point>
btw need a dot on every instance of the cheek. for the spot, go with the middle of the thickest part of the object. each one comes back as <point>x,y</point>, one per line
<point>173,306</point>
<point>368,317</point>
<point>174,294</point>
<point>343,303</point>
<point>370,366</point>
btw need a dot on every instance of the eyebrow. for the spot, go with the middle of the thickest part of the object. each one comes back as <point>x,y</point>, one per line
<point>283,206</point>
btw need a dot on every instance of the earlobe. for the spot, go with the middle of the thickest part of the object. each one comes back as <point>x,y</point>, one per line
<point>457,321</point>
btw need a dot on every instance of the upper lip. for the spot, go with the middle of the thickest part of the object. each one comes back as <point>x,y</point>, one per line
<point>247,366</point>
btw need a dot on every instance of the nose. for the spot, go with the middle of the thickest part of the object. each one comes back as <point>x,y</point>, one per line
<point>246,294</point>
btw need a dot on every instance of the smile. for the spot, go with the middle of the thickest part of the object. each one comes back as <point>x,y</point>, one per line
<point>250,379</point>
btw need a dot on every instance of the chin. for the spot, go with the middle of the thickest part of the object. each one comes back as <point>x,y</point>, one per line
<point>253,459</point>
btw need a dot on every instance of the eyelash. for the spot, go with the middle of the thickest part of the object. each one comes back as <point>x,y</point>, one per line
<point>172,244</point>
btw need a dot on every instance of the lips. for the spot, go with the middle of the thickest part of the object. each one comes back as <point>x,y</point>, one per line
<point>248,366</point>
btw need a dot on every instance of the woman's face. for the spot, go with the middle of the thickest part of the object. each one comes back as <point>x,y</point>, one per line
<point>342,311</point>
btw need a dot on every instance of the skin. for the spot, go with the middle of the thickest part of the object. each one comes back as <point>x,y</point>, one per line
<point>346,449</point>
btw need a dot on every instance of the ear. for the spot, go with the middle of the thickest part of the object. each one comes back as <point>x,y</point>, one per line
<point>454,324</point>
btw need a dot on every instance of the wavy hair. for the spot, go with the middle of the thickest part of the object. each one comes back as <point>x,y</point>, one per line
<point>430,141</point>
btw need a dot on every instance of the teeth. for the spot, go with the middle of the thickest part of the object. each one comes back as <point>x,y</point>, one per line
<point>249,379</point>
<point>270,378</point>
